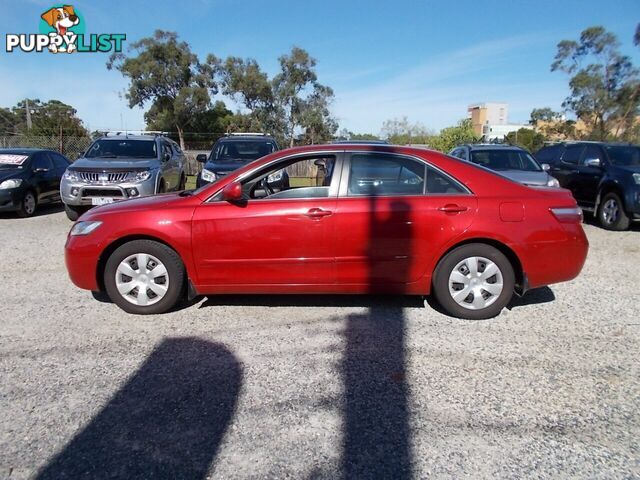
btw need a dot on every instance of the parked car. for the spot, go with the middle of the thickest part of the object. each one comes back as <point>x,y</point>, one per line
<point>512,162</point>
<point>603,177</point>
<point>28,178</point>
<point>383,219</point>
<point>122,166</point>
<point>234,151</point>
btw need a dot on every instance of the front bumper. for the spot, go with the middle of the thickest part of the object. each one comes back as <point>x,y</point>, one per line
<point>11,199</point>
<point>86,192</point>
<point>81,258</point>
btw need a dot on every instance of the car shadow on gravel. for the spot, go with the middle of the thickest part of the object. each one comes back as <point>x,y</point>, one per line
<point>167,421</point>
<point>369,301</point>
<point>46,209</point>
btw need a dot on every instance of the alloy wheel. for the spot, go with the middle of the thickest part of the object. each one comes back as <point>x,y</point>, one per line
<point>142,279</point>
<point>29,203</point>
<point>475,283</point>
<point>610,211</point>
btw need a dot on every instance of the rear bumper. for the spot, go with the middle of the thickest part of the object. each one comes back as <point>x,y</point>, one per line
<point>558,260</point>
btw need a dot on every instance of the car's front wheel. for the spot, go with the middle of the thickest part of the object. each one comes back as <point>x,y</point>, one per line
<point>144,277</point>
<point>73,213</point>
<point>611,214</point>
<point>28,205</point>
<point>474,281</point>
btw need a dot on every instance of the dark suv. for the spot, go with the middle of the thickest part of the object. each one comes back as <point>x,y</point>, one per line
<point>603,177</point>
<point>234,151</point>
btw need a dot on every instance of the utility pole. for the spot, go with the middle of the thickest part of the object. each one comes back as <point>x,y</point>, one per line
<point>26,106</point>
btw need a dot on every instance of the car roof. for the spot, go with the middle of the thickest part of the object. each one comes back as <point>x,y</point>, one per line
<point>492,146</point>
<point>23,151</point>
<point>132,137</point>
<point>591,142</point>
<point>244,138</point>
<point>360,142</point>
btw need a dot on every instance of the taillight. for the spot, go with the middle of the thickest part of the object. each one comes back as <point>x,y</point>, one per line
<point>567,214</point>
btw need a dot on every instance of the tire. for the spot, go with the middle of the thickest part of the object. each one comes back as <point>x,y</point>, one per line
<point>157,255</point>
<point>28,205</point>
<point>460,260</point>
<point>73,213</point>
<point>611,214</point>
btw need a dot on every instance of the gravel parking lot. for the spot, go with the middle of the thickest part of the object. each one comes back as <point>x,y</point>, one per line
<point>316,387</point>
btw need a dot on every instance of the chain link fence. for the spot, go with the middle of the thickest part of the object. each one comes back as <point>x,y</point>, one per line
<point>71,147</point>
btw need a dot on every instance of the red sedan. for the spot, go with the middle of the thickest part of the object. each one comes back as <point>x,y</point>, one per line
<point>352,219</point>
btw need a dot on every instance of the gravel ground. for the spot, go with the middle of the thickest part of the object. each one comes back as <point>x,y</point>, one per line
<point>316,387</point>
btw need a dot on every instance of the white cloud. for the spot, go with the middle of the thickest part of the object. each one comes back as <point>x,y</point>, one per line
<point>437,92</point>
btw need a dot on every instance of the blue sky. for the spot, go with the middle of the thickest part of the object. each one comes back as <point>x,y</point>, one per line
<point>426,60</point>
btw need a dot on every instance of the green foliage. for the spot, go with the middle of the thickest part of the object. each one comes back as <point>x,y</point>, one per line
<point>8,122</point>
<point>450,137</point>
<point>164,72</point>
<point>543,114</point>
<point>47,118</point>
<point>605,86</point>
<point>526,138</point>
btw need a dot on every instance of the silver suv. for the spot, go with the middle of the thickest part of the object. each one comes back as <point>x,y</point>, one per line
<point>121,166</point>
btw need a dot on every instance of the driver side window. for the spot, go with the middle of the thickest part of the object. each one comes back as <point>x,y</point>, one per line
<point>308,177</point>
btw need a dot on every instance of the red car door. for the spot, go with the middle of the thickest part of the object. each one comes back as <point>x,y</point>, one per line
<point>393,215</point>
<point>283,240</point>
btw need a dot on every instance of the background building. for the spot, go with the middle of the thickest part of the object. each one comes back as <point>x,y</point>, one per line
<point>490,120</point>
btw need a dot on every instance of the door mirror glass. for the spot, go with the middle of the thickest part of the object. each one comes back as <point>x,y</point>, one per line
<point>201,157</point>
<point>546,167</point>
<point>232,192</point>
<point>166,156</point>
<point>592,162</point>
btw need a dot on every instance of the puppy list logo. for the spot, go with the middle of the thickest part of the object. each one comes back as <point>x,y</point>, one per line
<point>62,30</point>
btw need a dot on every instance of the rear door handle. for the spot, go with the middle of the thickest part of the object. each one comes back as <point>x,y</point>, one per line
<point>318,213</point>
<point>453,208</point>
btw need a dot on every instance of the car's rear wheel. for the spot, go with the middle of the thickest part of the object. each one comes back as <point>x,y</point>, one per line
<point>73,213</point>
<point>28,205</point>
<point>144,277</point>
<point>611,214</point>
<point>474,281</point>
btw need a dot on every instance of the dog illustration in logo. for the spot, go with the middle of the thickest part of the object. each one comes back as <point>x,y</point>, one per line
<point>61,18</point>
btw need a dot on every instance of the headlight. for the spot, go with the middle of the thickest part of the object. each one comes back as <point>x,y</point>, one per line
<point>636,178</point>
<point>553,182</point>
<point>11,183</point>
<point>84,228</point>
<point>275,177</point>
<point>140,176</point>
<point>71,176</point>
<point>208,176</point>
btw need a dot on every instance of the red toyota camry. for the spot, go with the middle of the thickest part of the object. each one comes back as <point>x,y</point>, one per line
<point>348,219</point>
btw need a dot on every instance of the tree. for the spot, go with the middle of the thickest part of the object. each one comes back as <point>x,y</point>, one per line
<point>296,90</point>
<point>450,137</point>
<point>164,72</point>
<point>526,138</point>
<point>401,131</point>
<point>8,122</point>
<point>319,126</point>
<point>47,118</point>
<point>605,87</point>
<point>543,115</point>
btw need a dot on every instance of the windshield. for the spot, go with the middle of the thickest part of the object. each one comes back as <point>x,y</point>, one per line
<point>624,156</point>
<point>241,151</point>
<point>505,160</point>
<point>12,160</point>
<point>122,148</point>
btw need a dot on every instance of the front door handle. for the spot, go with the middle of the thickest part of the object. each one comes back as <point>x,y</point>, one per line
<point>318,213</point>
<point>453,208</point>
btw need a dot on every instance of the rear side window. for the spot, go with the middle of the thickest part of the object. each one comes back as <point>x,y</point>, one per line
<point>58,160</point>
<point>438,183</point>
<point>572,154</point>
<point>382,175</point>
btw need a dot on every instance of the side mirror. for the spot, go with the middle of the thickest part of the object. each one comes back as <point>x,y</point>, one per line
<point>546,167</point>
<point>232,192</point>
<point>592,162</point>
<point>320,163</point>
<point>201,157</point>
<point>80,155</point>
<point>166,157</point>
